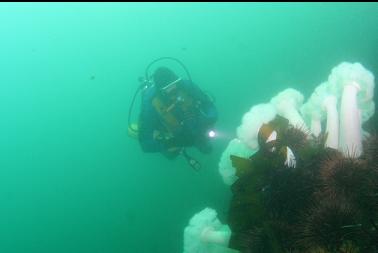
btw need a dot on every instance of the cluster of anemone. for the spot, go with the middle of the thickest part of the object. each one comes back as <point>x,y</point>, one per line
<point>336,110</point>
<point>328,202</point>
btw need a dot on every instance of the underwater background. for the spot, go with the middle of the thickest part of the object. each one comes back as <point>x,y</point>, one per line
<point>71,179</point>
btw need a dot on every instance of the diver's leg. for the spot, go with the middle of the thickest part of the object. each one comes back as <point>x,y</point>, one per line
<point>204,145</point>
<point>171,154</point>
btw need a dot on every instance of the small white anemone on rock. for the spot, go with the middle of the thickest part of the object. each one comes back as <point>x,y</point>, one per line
<point>206,234</point>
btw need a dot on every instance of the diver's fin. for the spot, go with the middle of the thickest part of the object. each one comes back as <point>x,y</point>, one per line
<point>242,165</point>
<point>196,165</point>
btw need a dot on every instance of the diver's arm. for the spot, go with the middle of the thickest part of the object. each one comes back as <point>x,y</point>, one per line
<point>210,113</point>
<point>207,107</point>
<point>147,122</point>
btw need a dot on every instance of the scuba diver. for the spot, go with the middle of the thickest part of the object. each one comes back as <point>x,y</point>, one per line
<point>175,114</point>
